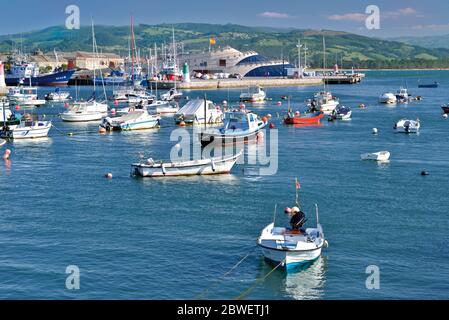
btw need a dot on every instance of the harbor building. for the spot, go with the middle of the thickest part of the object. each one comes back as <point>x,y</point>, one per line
<point>90,61</point>
<point>232,61</point>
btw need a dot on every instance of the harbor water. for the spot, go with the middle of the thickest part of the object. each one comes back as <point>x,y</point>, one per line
<point>174,238</point>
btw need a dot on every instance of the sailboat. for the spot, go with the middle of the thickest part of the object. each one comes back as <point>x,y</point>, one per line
<point>90,110</point>
<point>324,101</point>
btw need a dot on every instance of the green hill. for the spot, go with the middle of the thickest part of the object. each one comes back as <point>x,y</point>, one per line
<point>355,50</point>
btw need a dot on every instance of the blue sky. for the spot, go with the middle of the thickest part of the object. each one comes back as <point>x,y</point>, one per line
<point>398,17</point>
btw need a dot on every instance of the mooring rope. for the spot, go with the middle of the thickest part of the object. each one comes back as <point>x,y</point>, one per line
<point>256,283</point>
<point>222,278</point>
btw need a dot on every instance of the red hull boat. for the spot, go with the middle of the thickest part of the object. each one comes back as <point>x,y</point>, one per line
<point>313,118</point>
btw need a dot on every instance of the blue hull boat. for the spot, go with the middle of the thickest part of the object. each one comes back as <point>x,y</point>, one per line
<point>54,79</point>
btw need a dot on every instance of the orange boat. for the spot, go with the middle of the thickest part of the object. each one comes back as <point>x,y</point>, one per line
<point>311,118</point>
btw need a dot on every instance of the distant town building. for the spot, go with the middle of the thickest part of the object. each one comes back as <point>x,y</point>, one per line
<point>90,61</point>
<point>233,61</point>
<point>44,60</point>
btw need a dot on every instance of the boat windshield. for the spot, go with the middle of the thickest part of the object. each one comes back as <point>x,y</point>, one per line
<point>236,120</point>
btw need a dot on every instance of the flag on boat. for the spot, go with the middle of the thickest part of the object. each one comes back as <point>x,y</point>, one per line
<point>298,185</point>
<point>212,41</point>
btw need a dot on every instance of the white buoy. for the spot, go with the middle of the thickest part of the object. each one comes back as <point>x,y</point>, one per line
<point>375,131</point>
<point>445,116</point>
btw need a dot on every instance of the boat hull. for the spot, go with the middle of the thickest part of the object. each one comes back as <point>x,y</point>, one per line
<point>73,117</point>
<point>304,120</point>
<point>140,125</point>
<point>291,260</point>
<point>29,132</point>
<point>54,79</point>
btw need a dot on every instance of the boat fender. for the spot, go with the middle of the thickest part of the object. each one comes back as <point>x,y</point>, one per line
<point>424,173</point>
<point>213,166</point>
<point>6,154</point>
<point>445,116</point>
<point>163,169</point>
<point>108,175</point>
<point>375,131</point>
<point>326,244</point>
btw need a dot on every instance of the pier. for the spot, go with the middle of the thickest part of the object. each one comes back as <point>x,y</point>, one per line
<point>343,79</point>
<point>197,84</point>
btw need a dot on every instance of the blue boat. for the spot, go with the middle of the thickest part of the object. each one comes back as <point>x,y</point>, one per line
<point>59,78</point>
<point>430,85</point>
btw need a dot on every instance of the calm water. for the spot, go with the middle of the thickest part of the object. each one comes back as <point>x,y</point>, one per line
<point>171,238</point>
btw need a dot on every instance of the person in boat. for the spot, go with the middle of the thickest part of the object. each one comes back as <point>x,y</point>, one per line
<point>298,219</point>
<point>313,107</point>
<point>140,105</point>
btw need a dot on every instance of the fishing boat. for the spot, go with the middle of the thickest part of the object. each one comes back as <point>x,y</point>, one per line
<point>325,102</point>
<point>218,165</point>
<point>137,119</point>
<point>58,95</point>
<point>90,110</point>
<point>388,98</point>
<point>23,71</point>
<point>199,111</point>
<point>341,113</point>
<point>376,156</point>
<point>28,128</point>
<point>254,94</point>
<point>24,96</point>
<point>407,126</point>
<point>307,118</point>
<point>239,127</point>
<point>429,85</point>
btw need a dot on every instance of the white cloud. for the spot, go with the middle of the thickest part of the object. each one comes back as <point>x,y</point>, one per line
<point>348,17</point>
<point>274,15</point>
<point>360,17</point>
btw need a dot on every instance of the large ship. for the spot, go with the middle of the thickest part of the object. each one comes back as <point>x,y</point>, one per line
<point>23,72</point>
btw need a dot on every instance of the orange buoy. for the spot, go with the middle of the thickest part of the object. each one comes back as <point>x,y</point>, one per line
<point>17,108</point>
<point>265,119</point>
<point>101,130</point>
<point>115,103</point>
<point>272,126</point>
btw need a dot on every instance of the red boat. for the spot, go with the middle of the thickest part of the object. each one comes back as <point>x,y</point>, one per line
<point>445,109</point>
<point>312,118</point>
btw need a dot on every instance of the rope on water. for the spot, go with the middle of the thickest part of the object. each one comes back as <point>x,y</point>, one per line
<point>222,278</point>
<point>72,133</point>
<point>257,282</point>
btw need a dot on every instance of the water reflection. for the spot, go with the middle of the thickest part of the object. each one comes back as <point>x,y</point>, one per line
<point>306,284</point>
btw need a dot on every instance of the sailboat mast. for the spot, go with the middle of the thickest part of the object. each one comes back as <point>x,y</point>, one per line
<point>324,63</point>
<point>93,51</point>
<point>132,49</point>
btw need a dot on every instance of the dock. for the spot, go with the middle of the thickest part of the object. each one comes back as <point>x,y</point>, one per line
<point>343,79</point>
<point>197,84</point>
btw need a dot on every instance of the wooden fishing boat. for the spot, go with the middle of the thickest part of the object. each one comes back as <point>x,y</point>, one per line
<point>311,118</point>
<point>151,168</point>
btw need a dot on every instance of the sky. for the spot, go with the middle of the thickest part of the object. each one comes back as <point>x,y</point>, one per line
<point>397,18</point>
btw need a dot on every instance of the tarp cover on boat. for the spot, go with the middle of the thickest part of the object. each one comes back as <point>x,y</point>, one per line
<point>193,107</point>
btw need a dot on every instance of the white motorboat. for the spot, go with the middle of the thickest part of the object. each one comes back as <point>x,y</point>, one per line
<point>5,114</point>
<point>171,95</point>
<point>137,119</point>
<point>402,94</point>
<point>164,107</point>
<point>28,128</point>
<point>341,113</point>
<point>325,102</point>
<point>239,127</point>
<point>85,111</point>
<point>388,98</point>
<point>133,95</point>
<point>290,248</point>
<point>376,156</point>
<point>407,126</point>
<point>24,96</point>
<point>219,165</point>
<point>199,111</point>
<point>58,96</point>
<point>254,94</point>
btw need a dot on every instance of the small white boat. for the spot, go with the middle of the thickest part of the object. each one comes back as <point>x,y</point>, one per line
<point>5,114</point>
<point>137,119</point>
<point>24,96</point>
<point>239,127</point>
<point>388,98</point>
<point>163,107</point>
<point>171,95</point>
<point>292,249</point>
<point>402,94</point>
<point>85,111</point>
<point>376,156</point>
<point>151,168</point>
<point>341,113</point>
<point>407,126</point>
<point>325,102</point>
<point>199,111</point>
<point>27,129</point>
<point>132,95</point>
<point>254,94</point>
<point>58,96</point>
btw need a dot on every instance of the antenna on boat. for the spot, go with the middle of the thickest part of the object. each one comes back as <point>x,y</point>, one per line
<point>205,111</point>
<point>317,214</point>
<point>297,187</point>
